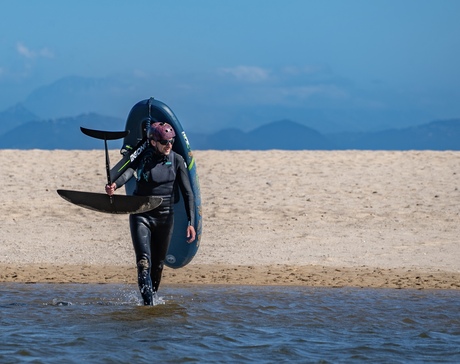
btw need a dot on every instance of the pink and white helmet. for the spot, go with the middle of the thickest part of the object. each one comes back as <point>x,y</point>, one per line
<point>160,131</point>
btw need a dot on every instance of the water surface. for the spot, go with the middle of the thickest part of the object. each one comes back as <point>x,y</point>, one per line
<point>74,323</point>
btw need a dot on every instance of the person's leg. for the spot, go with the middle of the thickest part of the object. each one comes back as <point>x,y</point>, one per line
<point>141,235</point>
<point>161,237</point>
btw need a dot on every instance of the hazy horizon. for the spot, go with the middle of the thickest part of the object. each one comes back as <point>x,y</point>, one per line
<point>242,63</point>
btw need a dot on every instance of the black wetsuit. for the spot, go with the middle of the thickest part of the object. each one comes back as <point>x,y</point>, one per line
<point>157,175</point>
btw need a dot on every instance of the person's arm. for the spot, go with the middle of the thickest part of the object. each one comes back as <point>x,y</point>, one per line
<point>189,198</point>
<point>125,177</point>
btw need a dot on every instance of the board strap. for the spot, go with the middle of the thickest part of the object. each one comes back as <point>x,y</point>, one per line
<point>115,204</point>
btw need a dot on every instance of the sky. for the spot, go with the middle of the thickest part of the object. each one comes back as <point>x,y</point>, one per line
<point>396,56</point>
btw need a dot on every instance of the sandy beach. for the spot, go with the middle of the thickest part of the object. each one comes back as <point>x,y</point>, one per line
<point>312,218</point>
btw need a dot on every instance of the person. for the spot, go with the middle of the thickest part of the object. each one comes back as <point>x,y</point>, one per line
<point>157,171</point>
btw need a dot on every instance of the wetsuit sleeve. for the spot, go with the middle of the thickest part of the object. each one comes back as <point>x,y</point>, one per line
<point>125,177</point>
<point>186,189</point>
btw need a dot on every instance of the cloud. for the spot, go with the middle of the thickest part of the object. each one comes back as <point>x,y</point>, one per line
<point>289,85</point>
<point>31,54</point>
<point>247,73</point>
<point>24,51</point>
<point>306,92</point>
<point>304,70</point>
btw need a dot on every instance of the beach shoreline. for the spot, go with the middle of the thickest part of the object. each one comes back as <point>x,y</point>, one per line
<point>275,275</point>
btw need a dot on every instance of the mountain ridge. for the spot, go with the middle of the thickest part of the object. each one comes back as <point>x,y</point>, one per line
<point>15,116</point>
<point>64,133</point>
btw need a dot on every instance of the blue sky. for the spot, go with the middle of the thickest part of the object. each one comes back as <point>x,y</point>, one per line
<point>398,56</point>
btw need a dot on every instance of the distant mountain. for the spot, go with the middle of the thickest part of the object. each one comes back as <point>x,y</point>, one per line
<point>15,116</point>
<point>60,133</point>
<point>284,134</point>
<point>288,135</point>
<point>75,95</point>
<point>226,139</point>
<point>64,133</point>
<point>437,135</point>
<point>206,107</point>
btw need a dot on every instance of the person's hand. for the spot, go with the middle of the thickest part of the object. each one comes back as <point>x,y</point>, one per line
<point>110,189</point>
<point>191,234</point>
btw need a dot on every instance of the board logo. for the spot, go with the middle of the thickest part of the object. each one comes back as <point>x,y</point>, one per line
<point>171,259</point>
<point>138,151</point>
<point>186,139</point>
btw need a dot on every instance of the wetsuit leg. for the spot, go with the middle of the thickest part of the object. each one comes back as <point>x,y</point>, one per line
<point>160,238</point>
<point>151,236</point>
<point>141,236</point>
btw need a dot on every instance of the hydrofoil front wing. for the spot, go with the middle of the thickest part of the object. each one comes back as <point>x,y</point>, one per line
<point>115,204</point>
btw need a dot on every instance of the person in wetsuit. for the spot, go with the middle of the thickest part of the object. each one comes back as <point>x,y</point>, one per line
<point>157,170</point>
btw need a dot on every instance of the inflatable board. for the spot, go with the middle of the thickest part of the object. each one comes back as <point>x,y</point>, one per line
<point>139,119</point>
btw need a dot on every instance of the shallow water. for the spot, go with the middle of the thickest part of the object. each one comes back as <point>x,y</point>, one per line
<point>55,323</point>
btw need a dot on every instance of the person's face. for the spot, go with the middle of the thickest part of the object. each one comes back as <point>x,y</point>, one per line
<point>163,146</point>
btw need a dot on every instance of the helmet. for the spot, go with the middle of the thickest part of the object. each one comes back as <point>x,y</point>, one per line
<point>160,131</point>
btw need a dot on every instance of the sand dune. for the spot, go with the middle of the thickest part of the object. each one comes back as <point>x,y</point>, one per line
<point>315,218</point>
